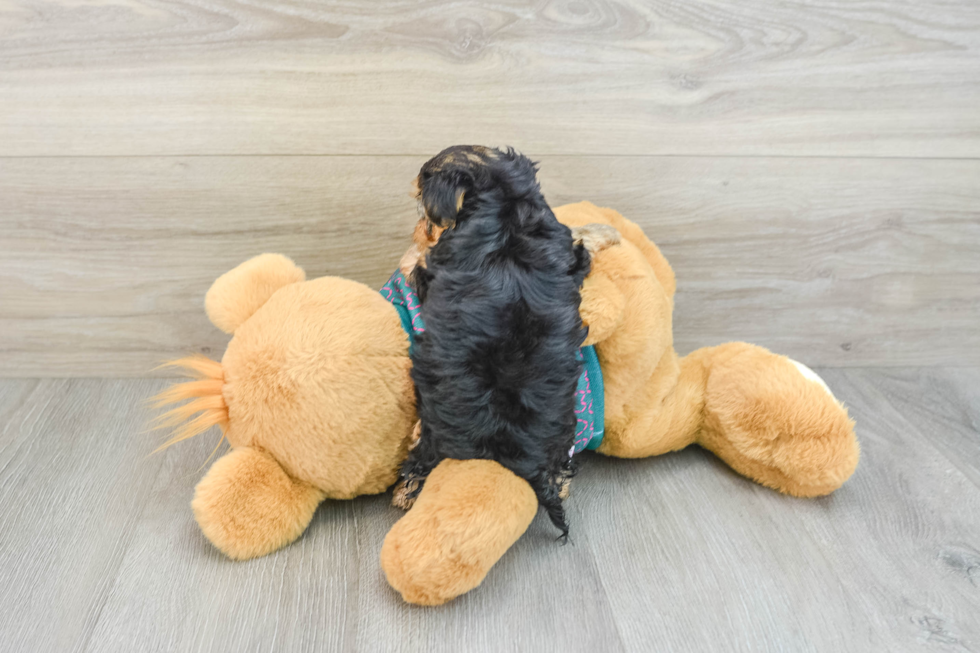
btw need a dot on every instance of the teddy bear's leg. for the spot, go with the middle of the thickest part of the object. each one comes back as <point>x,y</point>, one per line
<point>468,515</point>
<point>775,421</point>
<point>663,415</point>
<point>248,506</point>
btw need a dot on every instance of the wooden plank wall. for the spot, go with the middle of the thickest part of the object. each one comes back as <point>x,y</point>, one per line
<point>812,170</point>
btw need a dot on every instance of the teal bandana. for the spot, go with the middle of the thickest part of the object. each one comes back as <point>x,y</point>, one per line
<point>589,406</point>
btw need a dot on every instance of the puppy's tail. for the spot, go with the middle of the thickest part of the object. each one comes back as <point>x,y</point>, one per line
<point>205,395</point>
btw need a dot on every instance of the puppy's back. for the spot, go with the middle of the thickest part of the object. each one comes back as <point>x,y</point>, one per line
<point>496,368</point>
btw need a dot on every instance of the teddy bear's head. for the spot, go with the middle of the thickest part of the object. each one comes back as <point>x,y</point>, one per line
<point>317,375</point>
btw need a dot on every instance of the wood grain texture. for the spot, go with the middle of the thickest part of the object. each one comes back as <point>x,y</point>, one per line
<point>99,550</point>
<point>834,262</point>
<point>138,77</point>
<point>74,478</point>
<point>883,564</point>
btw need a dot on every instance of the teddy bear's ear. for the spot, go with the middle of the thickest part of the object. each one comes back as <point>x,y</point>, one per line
<point>238,293</point>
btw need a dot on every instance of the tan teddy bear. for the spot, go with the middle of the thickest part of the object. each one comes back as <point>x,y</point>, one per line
<point>315,397</point>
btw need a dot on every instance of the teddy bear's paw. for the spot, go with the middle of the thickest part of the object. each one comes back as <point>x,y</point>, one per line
<point>810,375</point>
<point>595,237</point>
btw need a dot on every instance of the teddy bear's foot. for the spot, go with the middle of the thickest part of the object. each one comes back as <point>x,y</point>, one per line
<point>466,517</point>
<point>595,237</point>
<point>810,375</point>
<point>775,421</point>
<point>248,506</point>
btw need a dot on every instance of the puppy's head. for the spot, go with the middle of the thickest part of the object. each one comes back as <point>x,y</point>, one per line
<point>450,184</point>
<point>446,178</point>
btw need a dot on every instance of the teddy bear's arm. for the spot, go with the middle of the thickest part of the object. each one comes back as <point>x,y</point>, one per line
<point>602,307</point>
<point>248,506</point>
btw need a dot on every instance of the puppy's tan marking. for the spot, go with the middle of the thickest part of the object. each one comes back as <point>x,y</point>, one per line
<point>401,497</point>
<point>565,487</point>
<point>416,435</point>
<point>410,260</point>
<point>425,235</point>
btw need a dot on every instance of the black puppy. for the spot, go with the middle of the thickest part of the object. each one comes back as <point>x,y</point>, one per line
<point>495,370</point>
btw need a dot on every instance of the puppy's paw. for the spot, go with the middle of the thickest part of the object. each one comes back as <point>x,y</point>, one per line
<point>565,488</point>
<point>400,498</point>
<point>405,493</point>
<point>595,237</point>
<point>563,481</point>
<point>407,489</point>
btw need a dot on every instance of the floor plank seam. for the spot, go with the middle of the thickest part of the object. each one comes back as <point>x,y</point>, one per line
<point>967,474</point>
<point>131,531</point>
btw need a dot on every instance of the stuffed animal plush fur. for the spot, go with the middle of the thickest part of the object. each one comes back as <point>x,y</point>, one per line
<point>315,398</point>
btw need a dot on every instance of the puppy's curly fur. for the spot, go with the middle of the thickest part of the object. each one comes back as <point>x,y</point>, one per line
<point>495,370</point>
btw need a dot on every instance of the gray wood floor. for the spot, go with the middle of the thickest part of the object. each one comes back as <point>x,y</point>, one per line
<point>100,552</point>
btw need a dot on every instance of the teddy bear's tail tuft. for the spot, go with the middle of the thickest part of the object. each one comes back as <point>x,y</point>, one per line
<point>205,395</point>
